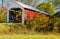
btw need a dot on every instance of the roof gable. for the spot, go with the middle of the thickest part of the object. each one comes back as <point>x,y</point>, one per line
<point>15,5</point>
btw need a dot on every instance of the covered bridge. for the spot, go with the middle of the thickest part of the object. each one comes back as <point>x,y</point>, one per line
<point>27,11</point>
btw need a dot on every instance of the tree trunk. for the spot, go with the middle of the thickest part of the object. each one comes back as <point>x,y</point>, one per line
<point>2,6</point>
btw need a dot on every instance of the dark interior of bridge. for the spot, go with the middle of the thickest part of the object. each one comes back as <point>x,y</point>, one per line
<point>15,15</point>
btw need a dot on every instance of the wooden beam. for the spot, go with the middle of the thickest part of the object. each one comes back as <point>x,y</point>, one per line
<point>8,15</point>
<point>23,16</point>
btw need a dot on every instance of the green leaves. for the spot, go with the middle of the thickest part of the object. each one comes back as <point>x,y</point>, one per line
<point>58,1</point>
<point>19,12</point>
<point>47,7</point>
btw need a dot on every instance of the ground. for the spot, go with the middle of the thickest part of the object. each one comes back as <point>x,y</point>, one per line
<point>21,36</point>
<point>25,36</point>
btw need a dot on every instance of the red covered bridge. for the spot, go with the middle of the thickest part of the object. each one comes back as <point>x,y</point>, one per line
<point>27,12</point>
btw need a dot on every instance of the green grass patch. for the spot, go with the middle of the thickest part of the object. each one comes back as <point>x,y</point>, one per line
<point>21,36</point>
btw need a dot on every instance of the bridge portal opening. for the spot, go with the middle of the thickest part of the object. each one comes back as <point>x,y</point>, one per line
<point>15,15</point>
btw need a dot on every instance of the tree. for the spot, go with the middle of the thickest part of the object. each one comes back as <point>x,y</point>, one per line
<point>2,6</point>
<point>34,3</point>
<point>47,7</point>
<point>2,3</point>
<point>58,1</point>
<point>28,2</point>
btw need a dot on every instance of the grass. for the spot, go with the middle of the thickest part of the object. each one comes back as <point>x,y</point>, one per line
<point>25,36</point>
<point>21,36</point>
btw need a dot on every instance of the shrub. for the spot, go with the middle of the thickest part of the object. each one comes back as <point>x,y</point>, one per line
<point>3,15</point>
<point>10,28</point>
<point>55,21</point>
<point>38,24</point>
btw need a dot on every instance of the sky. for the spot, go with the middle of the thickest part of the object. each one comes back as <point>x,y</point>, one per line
<point>0,1</point>
<point>39,1</point>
